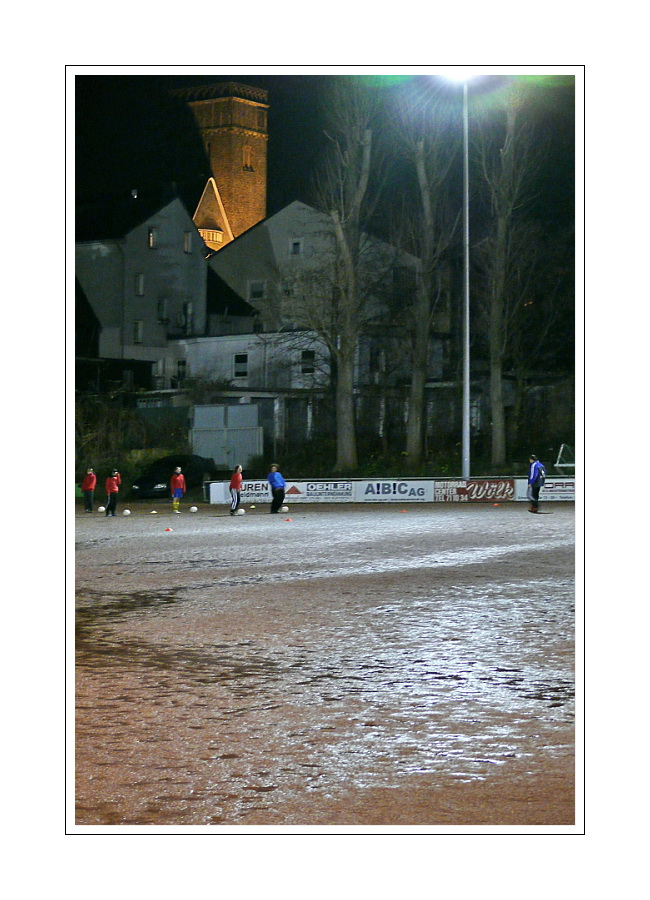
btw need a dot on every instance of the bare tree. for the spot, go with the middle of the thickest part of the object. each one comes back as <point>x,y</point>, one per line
<point>509,159</point>
<point>342,191</point>
<point>542,321</point>
<point>428,229</point>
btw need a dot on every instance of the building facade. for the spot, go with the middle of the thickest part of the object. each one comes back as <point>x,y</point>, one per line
<point>141,267</point>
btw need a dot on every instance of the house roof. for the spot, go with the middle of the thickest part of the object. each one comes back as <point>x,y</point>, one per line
<point>222,89</point>
<point>113,216</point>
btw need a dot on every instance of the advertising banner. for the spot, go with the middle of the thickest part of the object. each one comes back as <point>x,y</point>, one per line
<point>394,490</point>
<point>383,490</point>
<point>553,489</point>
<point>479,490</point>
<point>295,492</point>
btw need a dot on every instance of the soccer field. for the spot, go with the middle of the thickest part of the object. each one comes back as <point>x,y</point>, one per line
<point>332,665</point>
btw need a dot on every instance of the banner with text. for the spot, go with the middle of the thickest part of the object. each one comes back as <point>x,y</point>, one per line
<point>393,490</point>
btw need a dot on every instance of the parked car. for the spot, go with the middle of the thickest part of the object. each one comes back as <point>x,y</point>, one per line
<point>154,481</point>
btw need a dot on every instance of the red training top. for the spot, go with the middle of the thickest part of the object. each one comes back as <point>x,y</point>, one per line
<point>235,482</point>
<point>177,481</point>
<point>113,483</point>
<point>89,482</point>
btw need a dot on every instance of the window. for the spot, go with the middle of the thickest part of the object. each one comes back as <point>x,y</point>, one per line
<point>138,331</point>
<point>247,159</point>
<point>295,247</point>
<point>139,284</point>
<point>256,290</point>
<point>308,362</point>
<point>188,315</point>
<point>241,365</point>
<point>152,237</point>
<point>163,311</point>
<point>187,241</point>
<point>181,368</point>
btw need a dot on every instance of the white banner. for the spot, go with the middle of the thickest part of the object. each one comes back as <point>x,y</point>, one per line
<point>553,489</point>
<point>394,490</point>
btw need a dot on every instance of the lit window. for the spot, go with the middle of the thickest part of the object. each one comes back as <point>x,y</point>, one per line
<point>152,238</point>
<point>138,331</point>
<point>247,159</point>
<point>139,284</point>
<point>241,365</point>
<point>187,241</point>
<point>210,236</point>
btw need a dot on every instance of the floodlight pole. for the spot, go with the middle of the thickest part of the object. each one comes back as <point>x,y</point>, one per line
<point>466,382</point>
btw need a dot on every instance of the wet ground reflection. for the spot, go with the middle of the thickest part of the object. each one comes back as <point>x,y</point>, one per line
<point>210,702</point>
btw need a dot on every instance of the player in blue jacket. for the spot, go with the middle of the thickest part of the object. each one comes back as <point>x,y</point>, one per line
<point>278,485</point>
<point>536,478</point>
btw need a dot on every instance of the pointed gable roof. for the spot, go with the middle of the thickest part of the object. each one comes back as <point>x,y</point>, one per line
<point>210,213</point>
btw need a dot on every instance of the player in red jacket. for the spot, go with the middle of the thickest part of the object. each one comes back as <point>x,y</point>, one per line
<point>235,490</point>
<point>113,483</point>
<point>88,488</point>
<point>177,485</point>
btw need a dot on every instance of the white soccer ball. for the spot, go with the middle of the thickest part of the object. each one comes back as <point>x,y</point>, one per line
<point>284,509</point>
<point>127,512</point>
<point>194,509</point>
<point>240,512</point>
<point>153,512</point>
<point>101,509</point>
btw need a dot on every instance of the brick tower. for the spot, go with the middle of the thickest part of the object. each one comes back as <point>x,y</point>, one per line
<point>232,119</point>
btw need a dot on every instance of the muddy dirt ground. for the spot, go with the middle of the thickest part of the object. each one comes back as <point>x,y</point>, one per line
<point>336,665</point>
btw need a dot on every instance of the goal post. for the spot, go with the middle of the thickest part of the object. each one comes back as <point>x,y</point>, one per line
<point>566,459</point>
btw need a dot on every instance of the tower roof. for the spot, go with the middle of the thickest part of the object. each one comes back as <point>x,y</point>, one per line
<point>222,89</point>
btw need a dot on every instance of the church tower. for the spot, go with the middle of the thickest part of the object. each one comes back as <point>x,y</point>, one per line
<point>232,120</point>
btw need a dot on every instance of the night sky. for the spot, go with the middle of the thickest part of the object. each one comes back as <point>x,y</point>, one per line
<point>130,133</point>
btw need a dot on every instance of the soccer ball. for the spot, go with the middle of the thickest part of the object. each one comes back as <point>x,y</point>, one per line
<point>101,509</point>
<point>194,509</point>
<point>127,512</point>
<point>240,512</point>
<point>284,509</point>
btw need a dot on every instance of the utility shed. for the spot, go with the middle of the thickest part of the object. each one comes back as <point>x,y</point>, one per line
<point>230,435</point>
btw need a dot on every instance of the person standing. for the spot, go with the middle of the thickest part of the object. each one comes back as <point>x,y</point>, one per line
<point>235,490</point>
<point>536,478</point>
<point>278,485</point>
<point>177,484</point>
<point>88,489</point>
<point>113,483</point>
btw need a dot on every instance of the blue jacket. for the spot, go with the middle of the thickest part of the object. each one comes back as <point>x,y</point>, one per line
<point>537,472</point>
<point>276,480</point>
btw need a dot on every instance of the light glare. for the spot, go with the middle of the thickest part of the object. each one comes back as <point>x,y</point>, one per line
<point>461,73</point>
